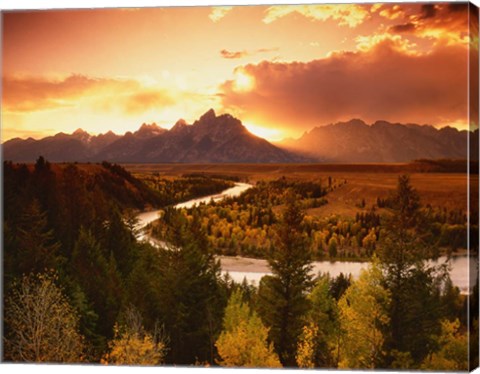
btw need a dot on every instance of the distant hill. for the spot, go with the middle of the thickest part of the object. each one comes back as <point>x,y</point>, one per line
<point>210,139</point>
<point>103,185</point>
<point>355,141</point>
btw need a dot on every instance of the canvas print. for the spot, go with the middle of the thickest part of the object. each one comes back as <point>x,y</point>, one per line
<point>261,186</point>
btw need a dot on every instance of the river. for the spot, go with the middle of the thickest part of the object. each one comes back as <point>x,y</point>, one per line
<point>147,217</point>
<point>461,267</point>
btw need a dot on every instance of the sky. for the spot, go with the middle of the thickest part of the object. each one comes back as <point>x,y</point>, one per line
<point>281,70</point>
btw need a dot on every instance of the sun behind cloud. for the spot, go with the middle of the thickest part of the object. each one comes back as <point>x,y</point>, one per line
<point>243,81</point>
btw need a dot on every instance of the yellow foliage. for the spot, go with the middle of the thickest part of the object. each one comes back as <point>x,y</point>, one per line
<point>306,347</point>
<point>453,353</point>
<point>129,348</point>
<point>43,327</point>
<point>363,314</point>
<point>243,342</point>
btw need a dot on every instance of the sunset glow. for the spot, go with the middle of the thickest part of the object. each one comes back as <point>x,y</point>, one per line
<point>264,132</point>
<point>306,66</point>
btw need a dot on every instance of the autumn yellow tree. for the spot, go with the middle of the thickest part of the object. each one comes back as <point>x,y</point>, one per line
<point>363,316</point>
<point>318,344</point>
<point>40,324</point>
<point>243,341</point>
<point>307,346</point>
<point>132,345</point>
<point>453,352</point>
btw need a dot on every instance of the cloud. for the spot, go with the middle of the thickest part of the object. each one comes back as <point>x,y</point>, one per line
<point>392,12</point>
<point>406,27</point>
<point>428,11</point>
<point>379,82</point>
<point>350,15</point>
<point>442,23</point>
<point>241,54</point>
<point>143,101</point>
<point>30,94</point>
<point>218,13</point>
<point>231,55</point>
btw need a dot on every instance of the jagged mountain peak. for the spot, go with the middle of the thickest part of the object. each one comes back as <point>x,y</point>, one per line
<point>148,130</point>
<point>179,127</point>
<point>211,138</point>
<point>207,116</point>
<point>146,126</point>
<point>80,131</point>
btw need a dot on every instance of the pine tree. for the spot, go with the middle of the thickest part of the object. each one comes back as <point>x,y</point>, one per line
<point>98,278</point>
<point>283,299</point>
<point>120,241</point>
<point>415,311</point>
<point>37,250</point>
<point>188,296</point>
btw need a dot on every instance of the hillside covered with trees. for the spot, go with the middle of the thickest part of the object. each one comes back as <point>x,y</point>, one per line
<point>79,287</point>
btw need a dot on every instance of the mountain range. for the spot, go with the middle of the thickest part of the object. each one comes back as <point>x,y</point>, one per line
<point>211,138</point>
<point>223,139</point>
<point>355,141</point>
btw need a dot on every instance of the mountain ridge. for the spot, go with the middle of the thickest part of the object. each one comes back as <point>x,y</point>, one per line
<point>224,139</point>
<point>382,141</point>
<point>209,139</point>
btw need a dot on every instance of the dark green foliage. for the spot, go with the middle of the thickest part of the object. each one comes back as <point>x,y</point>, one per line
<point>80,220</point>
<point>324,314</point>
<point>95,272</point>
<point>171,192</point>
<point>415,311</point>
<point>282,300</point>
<point>31,246</point>
<point>122,243</point>
<point>339,285</point>
<point>180,286</point>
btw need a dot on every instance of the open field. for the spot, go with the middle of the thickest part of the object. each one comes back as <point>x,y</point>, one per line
<point>364,181</point>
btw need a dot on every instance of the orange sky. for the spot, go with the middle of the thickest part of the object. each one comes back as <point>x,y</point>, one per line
<point>281,69</point>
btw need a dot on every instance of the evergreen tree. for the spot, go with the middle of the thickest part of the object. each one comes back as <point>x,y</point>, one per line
<point>98,278</point>
<point>189,299</point>
<point>120,241</point>
<point>282,298</point>
<point>403,249</point>
<point>36,247</point>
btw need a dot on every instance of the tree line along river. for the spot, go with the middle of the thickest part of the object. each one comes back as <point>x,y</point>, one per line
<point>463,269</point>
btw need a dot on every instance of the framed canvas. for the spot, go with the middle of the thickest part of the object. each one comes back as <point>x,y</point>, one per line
<point>241,186</point>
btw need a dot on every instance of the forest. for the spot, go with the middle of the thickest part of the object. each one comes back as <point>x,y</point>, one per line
<point>80,288</point>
